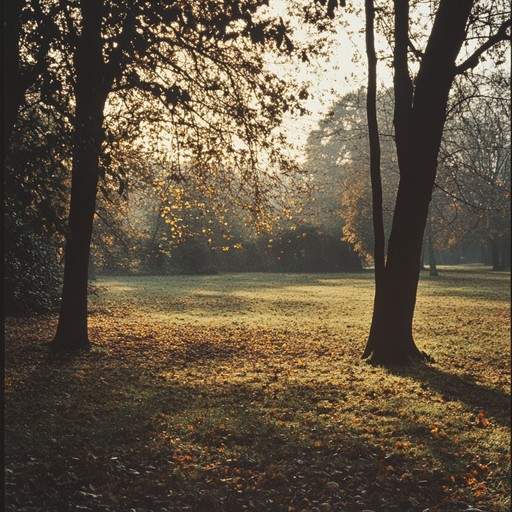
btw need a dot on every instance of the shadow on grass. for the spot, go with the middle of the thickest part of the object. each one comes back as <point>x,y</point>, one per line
<point>495,403</point>
<point>470,282</point>
<point>222,295</point>
<point>127,426</point>
<point>146,447</point>
<point>225,283</point>
<point>107,431</point>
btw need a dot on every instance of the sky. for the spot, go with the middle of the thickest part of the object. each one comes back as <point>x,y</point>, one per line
<point>345,69</point>
<point>329,78</point>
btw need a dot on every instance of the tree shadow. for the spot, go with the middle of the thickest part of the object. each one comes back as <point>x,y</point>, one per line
<point>495,403</point>
<point>121,421</point>
<point>126,444</point>
<point>117,429</point>
<point>223,283</point>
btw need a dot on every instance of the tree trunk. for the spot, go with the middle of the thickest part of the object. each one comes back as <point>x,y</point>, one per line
<point>391,339</point>
<point>422,259</point>
<point>419,120</point>
<point>485,254</point>
<point>90,94</point>
<point>91,270</point>
<point>505,252</point>
<point>375,155</point>
<point>495,255</point>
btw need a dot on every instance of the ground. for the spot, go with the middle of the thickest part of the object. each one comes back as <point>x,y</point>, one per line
<point>246,392</point>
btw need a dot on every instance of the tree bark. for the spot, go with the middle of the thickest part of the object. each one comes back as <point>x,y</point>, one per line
<point>375,155</point>
<point>391,339</point>
<point>90,94</point>
<point>373,132</point>
<point>419,121</point>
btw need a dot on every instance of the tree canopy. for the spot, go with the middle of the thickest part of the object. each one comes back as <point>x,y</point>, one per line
<point>179,107</point>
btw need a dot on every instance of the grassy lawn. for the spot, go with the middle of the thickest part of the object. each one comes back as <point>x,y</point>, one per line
<point>246,392</point>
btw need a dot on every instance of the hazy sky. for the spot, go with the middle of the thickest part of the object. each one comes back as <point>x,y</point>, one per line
<point>330,78</point>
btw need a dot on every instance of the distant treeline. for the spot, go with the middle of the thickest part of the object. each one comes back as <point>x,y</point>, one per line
<point>301,250</point>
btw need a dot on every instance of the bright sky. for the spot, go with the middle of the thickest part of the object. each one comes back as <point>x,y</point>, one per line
<point>332,77</point>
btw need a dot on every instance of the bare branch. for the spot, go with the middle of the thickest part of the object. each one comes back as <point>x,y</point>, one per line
<point>465,201</point>
<point>417,53</point>
<point>474,59</point>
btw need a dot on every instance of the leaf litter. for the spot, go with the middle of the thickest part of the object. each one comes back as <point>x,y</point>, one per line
<point>200,410</point>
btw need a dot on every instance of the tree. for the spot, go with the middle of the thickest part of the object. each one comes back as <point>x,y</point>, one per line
<point>93,83</point>
<point>194,65</point>
<point>338,160</point>
<point>35,192</point>
<point>34,160</point>
<point>475,167</point>
<point>307,249</point>
<point>375,153</point>
<point>420,113</point>
<point>432,263</point>
<point>25,53</point>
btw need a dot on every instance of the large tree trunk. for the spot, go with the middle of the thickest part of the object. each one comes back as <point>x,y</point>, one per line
<point>419,121</point>
<point>90,94</point>
<point>391,339</point>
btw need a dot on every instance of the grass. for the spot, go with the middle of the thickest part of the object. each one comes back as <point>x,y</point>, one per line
<point>246,392</point>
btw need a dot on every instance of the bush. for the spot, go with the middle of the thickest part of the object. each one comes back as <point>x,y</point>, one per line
<point>193,257</point>
<point>251,257</point>
<point>310,250</point>
<point>32,273</point>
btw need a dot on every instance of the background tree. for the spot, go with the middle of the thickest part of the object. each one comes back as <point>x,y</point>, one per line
<point>475,169</point>
<point>307,249</point>
<point>338,160</point>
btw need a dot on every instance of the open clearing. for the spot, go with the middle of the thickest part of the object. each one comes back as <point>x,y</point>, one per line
<point>246,392</point>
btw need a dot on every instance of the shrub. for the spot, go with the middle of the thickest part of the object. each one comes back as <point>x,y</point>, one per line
<point>32,273</point>
<point>310,250</point>
<point>193,257</point>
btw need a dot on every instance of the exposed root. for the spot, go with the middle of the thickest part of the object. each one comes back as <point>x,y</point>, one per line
<point>396,357</point>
